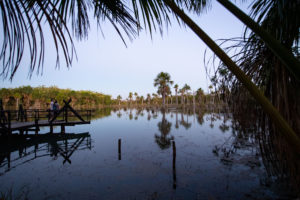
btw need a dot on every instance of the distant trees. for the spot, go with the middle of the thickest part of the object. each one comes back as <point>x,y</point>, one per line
<point>148,99</point>
<point>130,97</point>
<point>186,88</point>
<point>40,96</point>
<point>200,95</point>
<point>119,99</point>
<point>136,97</point>
<point>142,100</point>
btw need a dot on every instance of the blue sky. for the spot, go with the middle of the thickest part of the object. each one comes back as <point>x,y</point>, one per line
<point>106,65</point>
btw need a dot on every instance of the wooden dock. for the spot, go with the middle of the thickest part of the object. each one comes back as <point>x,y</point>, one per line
<point>24,121</point>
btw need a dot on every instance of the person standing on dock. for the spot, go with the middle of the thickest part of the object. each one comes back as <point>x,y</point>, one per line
<point>51,109</point>
<point>21,115</point>
<point>56,107</point>
<point>52,105</point>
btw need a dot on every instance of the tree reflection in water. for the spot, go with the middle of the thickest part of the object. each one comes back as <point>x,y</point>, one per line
<point>176,124</point>
<point>251,134</point>
<point>119,114</point>
<point>164,139</point>
<point>185,123</point>
<point>130,114</point>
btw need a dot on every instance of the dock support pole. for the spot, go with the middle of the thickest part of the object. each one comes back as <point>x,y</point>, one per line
<point>9,122</point>
<point>66,114</point>
<point>36,121</point>
<point>62,129</point>
<point>51,129</point>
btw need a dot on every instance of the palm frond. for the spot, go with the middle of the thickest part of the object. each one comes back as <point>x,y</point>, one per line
<point>24,23</point>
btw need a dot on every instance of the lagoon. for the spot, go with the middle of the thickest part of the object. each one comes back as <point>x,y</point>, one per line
<point>143,154</point>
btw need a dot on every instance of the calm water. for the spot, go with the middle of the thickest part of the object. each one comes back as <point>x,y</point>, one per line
<point>141,155</point>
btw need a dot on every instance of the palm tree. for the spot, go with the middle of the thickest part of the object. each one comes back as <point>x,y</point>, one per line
<point>176,90</point>
<point>119,99</point>
<point>185,89</point>
<point>154,97</point>
<point>181,91</point>
<point>148,98</point>
<point>163,81</point>
<point>130,97</point>
<point>194,101</point>
<point>168,93</point>
<point>142,99</point>
<point>136,97</point>
<point>200,94</point>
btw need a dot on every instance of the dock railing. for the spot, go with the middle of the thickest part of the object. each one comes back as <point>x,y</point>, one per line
<point>65,115</point>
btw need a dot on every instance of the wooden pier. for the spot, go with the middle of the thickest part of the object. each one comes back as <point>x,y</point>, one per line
<point>23,121</point>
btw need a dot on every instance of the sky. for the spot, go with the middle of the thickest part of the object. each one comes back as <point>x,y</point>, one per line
<point>104,64</point>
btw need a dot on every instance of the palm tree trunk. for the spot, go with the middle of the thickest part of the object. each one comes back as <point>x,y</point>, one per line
<point>277,119</point>
<point>277,48</point>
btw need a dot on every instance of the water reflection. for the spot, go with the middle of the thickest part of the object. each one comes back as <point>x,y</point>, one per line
<point>164,126</point>
<point>40,146</point>
<point>187,153</point>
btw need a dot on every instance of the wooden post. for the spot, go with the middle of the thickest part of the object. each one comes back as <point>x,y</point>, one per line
<point>62,129</point>
<point>119,149</point>
<point>51,128</point>
<point>8,160</point>
<point>25,115</point>
<point>174,165</point>
<point>36,121</point>
<point>9,122</point>
<point>49,115</point>
<point>66,114</point>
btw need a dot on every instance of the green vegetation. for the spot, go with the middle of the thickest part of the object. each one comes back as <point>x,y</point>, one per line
<point>39,97</point>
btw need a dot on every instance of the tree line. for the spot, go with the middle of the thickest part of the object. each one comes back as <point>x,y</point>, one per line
<point>39,97</point>
<point>164,96</point>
